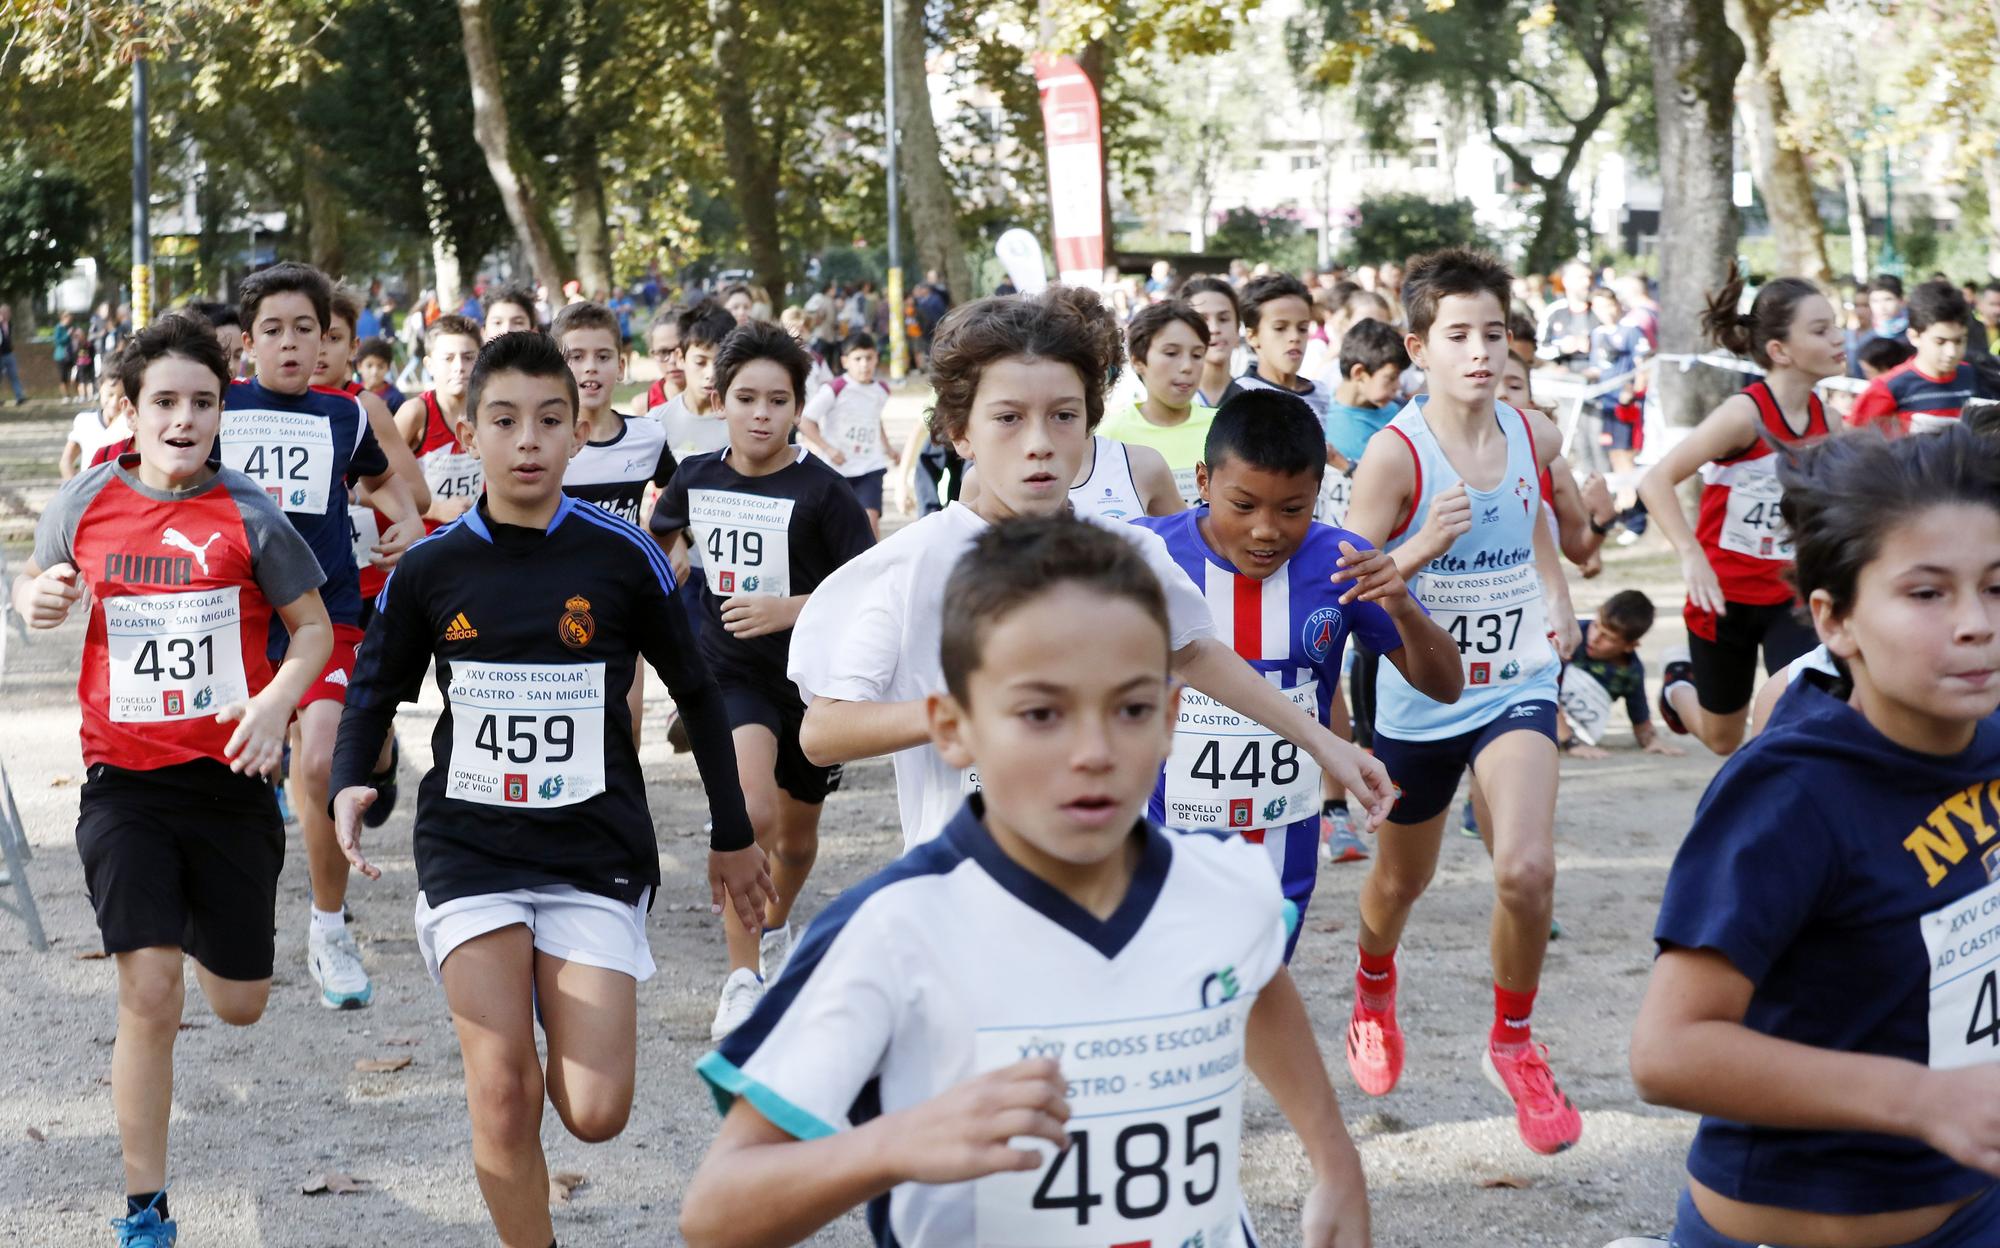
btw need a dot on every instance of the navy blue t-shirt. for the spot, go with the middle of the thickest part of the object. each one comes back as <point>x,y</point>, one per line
<point>1814,858</point>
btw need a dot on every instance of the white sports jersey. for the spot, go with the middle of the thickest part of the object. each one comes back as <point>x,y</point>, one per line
<point>688,434</point>
<point>1109,491</point>
<point>870,633</point>
<point>849,416</point>
<point>955,960</point>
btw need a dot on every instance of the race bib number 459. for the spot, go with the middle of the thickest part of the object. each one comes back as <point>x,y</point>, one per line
<point>1156,1119</point>
<point>526,734</point>
<point>290,454</point>
<point>174,656</point>
<point>745,542</point>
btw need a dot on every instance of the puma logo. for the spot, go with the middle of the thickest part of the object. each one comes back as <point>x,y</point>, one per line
<point>176,539</point>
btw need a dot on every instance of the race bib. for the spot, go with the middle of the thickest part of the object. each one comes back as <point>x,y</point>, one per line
<point>1752,523</point>
<point>451,474</point>
<point>1335,493</point>
<point>290,454</point>
<point>1230,773</point>
<point>363,531</point>
<point>744,541</point>
<point>1963,941</point>
<point>1184,483</point>
<point>1497,618</point>
<point>174,656</point>
<point>526,734</point>
<point>1587,704</point>
<point>1156,1120</point>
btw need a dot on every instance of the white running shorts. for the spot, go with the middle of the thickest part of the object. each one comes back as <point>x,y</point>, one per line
<point>568,923</point>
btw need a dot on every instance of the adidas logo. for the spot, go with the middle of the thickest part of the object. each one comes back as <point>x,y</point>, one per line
<point>338,676</point>
<point>461,629</point>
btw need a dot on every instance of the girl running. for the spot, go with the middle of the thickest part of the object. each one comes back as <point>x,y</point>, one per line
<point>1825,994</point>
<point>1735,557</point>
<point>1167,344</point>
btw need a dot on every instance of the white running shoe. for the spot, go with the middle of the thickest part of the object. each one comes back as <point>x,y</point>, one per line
<point>774,948</point>
<point>335,962</point>
<point>740,994</point>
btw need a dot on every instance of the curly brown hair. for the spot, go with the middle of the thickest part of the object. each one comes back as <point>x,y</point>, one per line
<point>1065,323</point>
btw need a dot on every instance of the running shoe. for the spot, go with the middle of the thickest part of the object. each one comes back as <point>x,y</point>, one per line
<point>384,784</point>
<point>1338,842</point>
<point>740,994</point>
<point>1678,671</point>
<point>1468,822</point>
<point>1374,1050</point>
<point>1547,1121</point>
<point>145,1229</point>
<point>774,947</point>
<point>335,962</point>
<point>677,733</point>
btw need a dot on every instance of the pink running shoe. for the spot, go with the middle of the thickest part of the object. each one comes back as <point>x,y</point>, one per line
<point>1547,1121</point>
<point>1374,1050</point>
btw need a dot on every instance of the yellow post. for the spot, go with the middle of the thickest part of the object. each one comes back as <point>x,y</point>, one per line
<point>899,346</point>
<point>142,296</point>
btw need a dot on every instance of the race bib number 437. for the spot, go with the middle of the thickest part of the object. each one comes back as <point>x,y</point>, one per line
<point>1156,1119</point>
<point>526,734</point>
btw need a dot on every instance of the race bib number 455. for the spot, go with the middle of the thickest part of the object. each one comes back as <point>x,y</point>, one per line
<point>526,734</point>
<point>174,656</point>
<point>745,542</point>
<point>290,454</point>
<point>1156,1119</point>
<point>1752,523</point>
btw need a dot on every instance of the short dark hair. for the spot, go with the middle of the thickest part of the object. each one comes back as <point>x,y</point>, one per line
<point>452,325</point>
<point>175,333</point>
<point>1373,345</point>
<point>1209,285</point>
<point>1437,275</point>
<point>1889,282</point>
<point>1270,288</point>
<point>518,295</point>
<point>706,324</point>
<point>1154,317</point>
<point>1017,561</point>
<point>527,351</point>
<point>216,314</point>
<point>1629,611</point>
<point>285,277</point>
<point>1267,429</point>
<point>345,306</point>
<point>1883,354</point>
<point>859,340</point>
<point>1067,324</point>
<point>760,340</point>
<point>1938,303</point>
<point>376,349</point>
<point>1991,288</point>
<point>577,316</point>
<point>1844,494</point>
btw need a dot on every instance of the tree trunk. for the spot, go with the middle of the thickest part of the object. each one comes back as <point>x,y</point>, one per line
<point>753,166</point>
<point>444,253</point>
<point>1695,62</point>
<point>322,204</point>
<point>586,210</point>
<point>1989,173</point>
<point>1780,167</point>
<point>933,216</point>
<point>450,277</point>
<point>495,137</point>
<point>1857,219</point>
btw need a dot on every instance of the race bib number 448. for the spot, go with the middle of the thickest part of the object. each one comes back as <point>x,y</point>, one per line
<point>1232,774</point>
<point>1156,1119</point>
<point>526,734</point>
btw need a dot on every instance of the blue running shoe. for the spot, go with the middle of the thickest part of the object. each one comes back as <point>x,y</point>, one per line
<point>145,1229</point>
<point>1468,822</point>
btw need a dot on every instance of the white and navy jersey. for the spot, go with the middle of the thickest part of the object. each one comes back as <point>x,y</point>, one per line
<point>1109,491</point>
<point>956,960</point>
<point>1231,774</point>
<point>1485,590</point>
<point>778,535</point>
<point>1315,395</point>
<point>536,634</point>
<point>613,474</point>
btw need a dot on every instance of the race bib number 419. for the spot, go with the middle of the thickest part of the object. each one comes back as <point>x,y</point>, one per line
<point>745,542</point>
<point>526,734</point>
<point>290,454</point>
<point>1156,1119</point>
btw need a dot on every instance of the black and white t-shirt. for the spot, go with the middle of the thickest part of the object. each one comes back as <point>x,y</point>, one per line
<point>613,474</point>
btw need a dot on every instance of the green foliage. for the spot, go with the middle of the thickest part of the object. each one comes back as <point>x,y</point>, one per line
<point>46,218</point>
<point>1397,226</point>
<point>1274,238</point>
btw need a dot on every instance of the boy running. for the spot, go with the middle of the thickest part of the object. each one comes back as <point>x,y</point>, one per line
<point>1214,300</point>
<point>1167,343</point>
<point>975,1042</point>
<point>772,523</point>
<point>1927,392</point>
<point>300,443</point>
<point>1278,312</point>
<point>535,854</point>
<point>510,310</point>
<point>693,418</point>
<point>1450,488</point>
<point>375,361</point>
<point>842,424</point>
<point>185,566</point>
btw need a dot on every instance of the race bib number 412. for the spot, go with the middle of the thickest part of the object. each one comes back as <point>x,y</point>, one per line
<point>526,734</point>
<point>290,454</point>
<point>1156,1120</point>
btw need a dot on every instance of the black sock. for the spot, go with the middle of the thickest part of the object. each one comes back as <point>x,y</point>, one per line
<point>1332,804</point>
<point>137,1204</point>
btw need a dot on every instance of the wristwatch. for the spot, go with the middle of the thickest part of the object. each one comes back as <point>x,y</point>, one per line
<point>1603,529</point>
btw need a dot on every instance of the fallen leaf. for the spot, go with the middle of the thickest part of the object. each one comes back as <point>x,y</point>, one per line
<point>61,782</point>
<point>404,1042</point>
<point>93,956</point>
<point>382,1065</point>
<point>35,1134</point>
<point>562,1183</point>
<point>333,1183</point>
<point>1331,925</point>
<point>1512,1182</point>
<point>193,1026</point>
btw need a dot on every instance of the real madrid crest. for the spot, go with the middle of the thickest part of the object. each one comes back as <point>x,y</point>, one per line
<point>576,628</point>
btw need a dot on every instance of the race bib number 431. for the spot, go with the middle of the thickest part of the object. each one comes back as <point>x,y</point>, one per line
<point>1156,1119</point>
<point>174,656</point>
<point>744,540</point>
<point>290,454</point>
<point>526,734</point>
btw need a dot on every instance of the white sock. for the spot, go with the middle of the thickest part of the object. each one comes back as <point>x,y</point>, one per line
<point>328,923</point>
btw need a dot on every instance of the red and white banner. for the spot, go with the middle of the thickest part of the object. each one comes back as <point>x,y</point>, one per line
<point>1076,168</point>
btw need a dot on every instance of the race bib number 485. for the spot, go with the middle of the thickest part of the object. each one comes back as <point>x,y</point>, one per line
<point>526,734</point>
<point>745,542</point>
<point>290,454</point>
<point>174,656</point>
<point>1156,1119</point>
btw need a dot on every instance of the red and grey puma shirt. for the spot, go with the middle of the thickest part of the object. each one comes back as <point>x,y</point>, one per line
<point>183,587</point>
